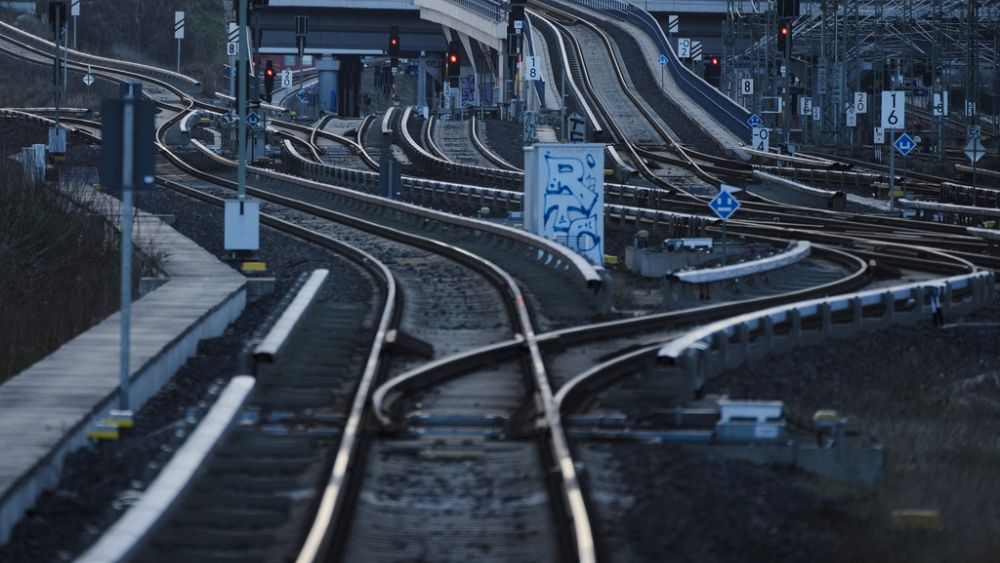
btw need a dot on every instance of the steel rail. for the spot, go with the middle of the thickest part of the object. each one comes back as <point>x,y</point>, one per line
<point>139,66</point>
<point>386,398</point>
<point>318,542</point>
<point>485,151</point>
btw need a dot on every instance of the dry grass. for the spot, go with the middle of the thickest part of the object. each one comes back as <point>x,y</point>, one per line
<point>60,273</point>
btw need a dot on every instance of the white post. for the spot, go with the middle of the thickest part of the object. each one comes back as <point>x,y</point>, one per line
<point>124,373</point>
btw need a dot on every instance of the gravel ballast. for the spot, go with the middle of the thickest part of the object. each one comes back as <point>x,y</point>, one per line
<point>100,482</point>
<point>930,396</point>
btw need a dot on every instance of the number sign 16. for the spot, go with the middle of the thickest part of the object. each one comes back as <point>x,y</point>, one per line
<point>893,109</point>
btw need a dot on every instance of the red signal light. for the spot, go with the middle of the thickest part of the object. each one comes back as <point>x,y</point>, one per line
<point>715,60</point>
<point>784,30</point>
<point>394,41</point>
<point>453,58</point>
<point>269,72</point>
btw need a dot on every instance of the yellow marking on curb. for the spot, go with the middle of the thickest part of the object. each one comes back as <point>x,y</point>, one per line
<point>103,434</point>
<point>916,519</point>
<point>254,267</point>
<point>610,259</point>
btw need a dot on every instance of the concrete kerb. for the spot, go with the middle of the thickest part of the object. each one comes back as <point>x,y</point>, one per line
<point>707,351</point>
<point>146,380</point>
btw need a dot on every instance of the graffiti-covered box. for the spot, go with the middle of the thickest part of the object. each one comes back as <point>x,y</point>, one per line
<point>564,195</point>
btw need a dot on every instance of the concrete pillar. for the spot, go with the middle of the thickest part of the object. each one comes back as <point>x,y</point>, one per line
<point>328,67</point>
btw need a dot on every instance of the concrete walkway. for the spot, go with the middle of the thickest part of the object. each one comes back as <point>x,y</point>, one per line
<point>46,410</point>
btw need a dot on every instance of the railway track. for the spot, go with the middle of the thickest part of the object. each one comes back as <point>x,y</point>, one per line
<point>473,458</point>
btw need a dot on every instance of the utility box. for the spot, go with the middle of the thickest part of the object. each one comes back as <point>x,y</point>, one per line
<point>564,195</point>
<point>750,421</point>
<point>242,224</point>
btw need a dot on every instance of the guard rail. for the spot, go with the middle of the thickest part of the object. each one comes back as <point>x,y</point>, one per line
<point>726,344</point>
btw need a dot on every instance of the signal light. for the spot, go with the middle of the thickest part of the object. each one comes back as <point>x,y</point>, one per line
<point>394,41</point>
<point>268,81</point>
<point>785,38</point>
<point>715,60</point>
<point>454,59</point>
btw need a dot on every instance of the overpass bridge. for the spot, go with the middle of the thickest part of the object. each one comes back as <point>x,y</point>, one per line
<point>342,32</point>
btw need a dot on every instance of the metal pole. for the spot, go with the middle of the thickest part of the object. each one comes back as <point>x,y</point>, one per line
<point>178,56</point>
<point>724,242</point>
<point>241,169</point>
<point>124,373</point>
<point>55,77</point>
<point>65,38</point>
<point>562,108</point>
<point>892,169</point>
<point>422,81</point>
<point>74,33</point>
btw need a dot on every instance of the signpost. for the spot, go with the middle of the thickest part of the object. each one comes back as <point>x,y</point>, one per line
<point>893,117</point>
<point>746,86</point>
<point>724,205</point>
<point>673,23</point>
<point>88,79</point>
<point>663,63</point>
<point>532,68</point>
<point>74,10</point>
<point>286,78</point>
<point>683,48</point>
<point>178,35</point>
<point>760,138</point>
<point>860,102</point>
<point>577,129</point>
<point>127,162</point>
<point>904,144</point>
<point>975,150</point>
<point>242,216</point>
<point>755,121</point>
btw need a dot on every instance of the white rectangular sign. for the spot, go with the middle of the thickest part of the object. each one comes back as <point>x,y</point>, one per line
<point>852,116</point>
<point>673,24</point>
<point>970,108</point>
<point>233,44</point>
<point>816,113</point>
<point>761,139</point>
<point>564,195</point>
<point>178,25</point>
<point>805,105</point>
<point>74,8</point>
<point>684,48</point>
<point>893,109</point>
<point>286,78</point>
<point>940,105</point>
<point>532,68</point>
<point>879,138</point>
<point>746,86</point>
<point>860,102</point>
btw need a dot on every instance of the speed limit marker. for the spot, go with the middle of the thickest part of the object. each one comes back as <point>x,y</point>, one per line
<point>893,109</point>
<point>531,69</point>
<point>746,86</point>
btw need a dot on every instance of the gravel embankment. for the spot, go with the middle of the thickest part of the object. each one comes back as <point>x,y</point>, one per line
<point>932,398</point>
<point>100,482</point>
<point>504,138</point>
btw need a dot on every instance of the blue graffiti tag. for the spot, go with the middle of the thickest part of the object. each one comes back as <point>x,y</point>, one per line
<point>569,202</point>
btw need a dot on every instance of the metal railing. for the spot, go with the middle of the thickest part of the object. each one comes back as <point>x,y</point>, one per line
<point>490,9</point>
